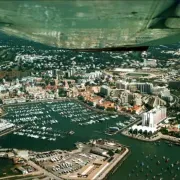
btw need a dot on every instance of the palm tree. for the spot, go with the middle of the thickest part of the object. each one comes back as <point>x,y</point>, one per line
<point>135,131</point>
<point>145,133</point>
<point>131,131</point>
<point>140,131</point>
<point>150,134</point>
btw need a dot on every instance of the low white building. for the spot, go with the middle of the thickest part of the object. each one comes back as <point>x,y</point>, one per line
<point>143,129</point>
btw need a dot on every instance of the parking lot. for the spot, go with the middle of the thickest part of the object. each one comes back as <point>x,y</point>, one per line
<point>65,163</point>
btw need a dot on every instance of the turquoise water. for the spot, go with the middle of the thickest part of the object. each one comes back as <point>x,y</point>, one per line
<point>142,164</point>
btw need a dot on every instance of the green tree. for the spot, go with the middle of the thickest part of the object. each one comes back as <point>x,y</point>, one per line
<point>111,153</point>
<point>47,81</point>
<point>81,98</point>
<point>164,131</point>
<point>100,107</point>
<point>90,103</point>
<point>110,109</point>
<point>62,92</point>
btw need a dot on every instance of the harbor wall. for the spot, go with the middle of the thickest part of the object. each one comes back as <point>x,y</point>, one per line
<point>114,166</point>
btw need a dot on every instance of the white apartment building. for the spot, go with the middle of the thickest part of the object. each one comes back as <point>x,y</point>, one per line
<point>154,117</point>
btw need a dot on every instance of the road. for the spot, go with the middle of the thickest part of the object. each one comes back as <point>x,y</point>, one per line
<point>176,101</point>
<point>40,171</point>
<point>160,136</point>
<point>129,125</point>
<point>21,176</point>
<point>31,163</point>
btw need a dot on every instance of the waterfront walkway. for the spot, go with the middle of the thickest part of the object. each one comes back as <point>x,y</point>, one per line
<point>156,138</point>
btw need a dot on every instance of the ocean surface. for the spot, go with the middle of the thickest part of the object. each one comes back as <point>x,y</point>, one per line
<point>148,160</point>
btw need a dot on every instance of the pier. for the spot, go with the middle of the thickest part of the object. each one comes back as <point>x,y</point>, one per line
<point>10,130</point>
<point>129,125</point>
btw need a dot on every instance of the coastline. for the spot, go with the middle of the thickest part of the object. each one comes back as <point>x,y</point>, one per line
<point>109,168</point>
<point>117,163</point>
<point>102,111</point>
<point>159,137</point>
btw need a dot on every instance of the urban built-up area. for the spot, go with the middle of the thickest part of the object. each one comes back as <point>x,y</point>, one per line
<point>142,89</point>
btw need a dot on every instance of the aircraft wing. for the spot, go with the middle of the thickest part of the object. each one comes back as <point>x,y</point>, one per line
<point>93,24</point>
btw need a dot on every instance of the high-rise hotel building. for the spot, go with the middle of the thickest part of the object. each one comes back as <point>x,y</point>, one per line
<point>154,117</point>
